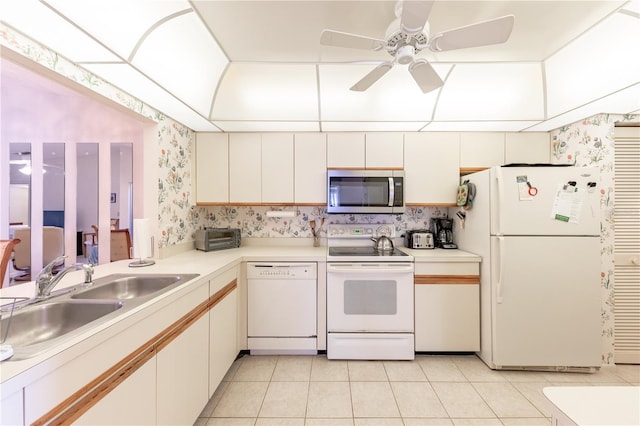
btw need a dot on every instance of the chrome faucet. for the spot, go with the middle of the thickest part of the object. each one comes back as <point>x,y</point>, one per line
<point>46,281</point>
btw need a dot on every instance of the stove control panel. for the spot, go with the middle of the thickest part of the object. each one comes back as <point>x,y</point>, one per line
<point>360,230</point>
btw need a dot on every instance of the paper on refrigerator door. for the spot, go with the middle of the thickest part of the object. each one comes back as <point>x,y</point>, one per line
<point>523,188</point>
<point>567,204</point>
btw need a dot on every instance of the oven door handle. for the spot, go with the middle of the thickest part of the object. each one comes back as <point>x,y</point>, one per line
<point>383,268</point>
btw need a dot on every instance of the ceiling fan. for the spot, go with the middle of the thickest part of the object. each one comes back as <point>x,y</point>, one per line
<point>409,34</point>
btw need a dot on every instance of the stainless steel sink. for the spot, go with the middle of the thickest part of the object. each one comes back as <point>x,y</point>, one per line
<point>126,287</point>
<point>43,322</point>
<point>36,326</point>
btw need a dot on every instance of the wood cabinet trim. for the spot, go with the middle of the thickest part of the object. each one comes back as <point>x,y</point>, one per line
<point>266,204</point>
<point>430,204</point>
<point>87,396</point>
<point>446,279</point>
<point>468,170</point>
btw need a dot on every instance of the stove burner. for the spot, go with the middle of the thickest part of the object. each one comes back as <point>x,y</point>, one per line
<point>363,251</point>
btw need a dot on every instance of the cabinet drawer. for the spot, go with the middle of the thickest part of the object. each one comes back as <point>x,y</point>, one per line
<point>447,268</point>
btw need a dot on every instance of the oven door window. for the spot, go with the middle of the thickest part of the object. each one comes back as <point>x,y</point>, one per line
<point>366,297</point>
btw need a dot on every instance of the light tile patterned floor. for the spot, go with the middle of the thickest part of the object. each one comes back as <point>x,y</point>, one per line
<point>431,390</point>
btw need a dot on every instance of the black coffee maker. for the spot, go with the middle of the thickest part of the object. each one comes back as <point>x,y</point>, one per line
<point>443,232</point>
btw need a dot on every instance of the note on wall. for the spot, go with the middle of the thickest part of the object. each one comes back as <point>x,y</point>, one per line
<point>567,203</point>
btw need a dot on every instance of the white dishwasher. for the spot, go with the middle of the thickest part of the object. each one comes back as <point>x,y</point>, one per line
<point>282,308</point>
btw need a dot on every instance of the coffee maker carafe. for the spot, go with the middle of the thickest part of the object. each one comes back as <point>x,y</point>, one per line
<point>443,232</point>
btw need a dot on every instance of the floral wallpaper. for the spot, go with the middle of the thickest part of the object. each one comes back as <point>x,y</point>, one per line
<point>175,152</point>
<point>254,223</point>
<point>590,142</point>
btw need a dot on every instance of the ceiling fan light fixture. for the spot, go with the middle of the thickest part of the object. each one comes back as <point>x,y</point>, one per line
<point>404,55</point>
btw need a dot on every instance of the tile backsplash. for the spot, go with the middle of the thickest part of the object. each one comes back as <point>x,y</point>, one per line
<point>255,223</point>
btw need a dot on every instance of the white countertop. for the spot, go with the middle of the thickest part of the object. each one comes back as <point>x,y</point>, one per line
<point>207,264</point>
<point>597,405</point>
<point>441,255</point>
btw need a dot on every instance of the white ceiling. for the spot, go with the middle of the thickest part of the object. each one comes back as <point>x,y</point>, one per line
<point>259,66</point>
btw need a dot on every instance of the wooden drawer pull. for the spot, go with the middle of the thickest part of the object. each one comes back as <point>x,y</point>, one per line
<point>446,279</point>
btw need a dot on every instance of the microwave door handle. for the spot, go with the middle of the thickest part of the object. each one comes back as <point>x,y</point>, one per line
<point>391,192</point>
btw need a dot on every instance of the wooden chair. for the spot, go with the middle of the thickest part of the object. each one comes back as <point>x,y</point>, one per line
<point>120,244</point>
<point>86,244</point>
<point>52,247</point>
<point>6,248</point>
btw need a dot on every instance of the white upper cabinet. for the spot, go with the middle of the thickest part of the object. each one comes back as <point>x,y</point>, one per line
<point>310,175</point>
<point>530,147</point>
<point>384,150</point>
<point>481,149</point>
<point>212,168</point>
<point>245,168</point>
<point>277,168</point>
<point>345,150</point>
<point>431,168</point>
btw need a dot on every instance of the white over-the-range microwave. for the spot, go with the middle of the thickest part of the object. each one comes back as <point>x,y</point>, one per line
<point>365,191</point>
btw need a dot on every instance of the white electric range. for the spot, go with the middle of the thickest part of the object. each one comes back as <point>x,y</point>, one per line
<point>369,295</point>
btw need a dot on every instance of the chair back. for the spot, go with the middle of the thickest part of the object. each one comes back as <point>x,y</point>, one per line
<point>22,251</point>
<point>6,247</point>
<point>52,246</point>
<point>120,244</point>
<point>52,243</point>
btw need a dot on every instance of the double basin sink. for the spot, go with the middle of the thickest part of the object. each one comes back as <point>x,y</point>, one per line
<point>39,325</point>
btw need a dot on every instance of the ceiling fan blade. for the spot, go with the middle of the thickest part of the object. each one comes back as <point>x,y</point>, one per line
<point>424,74</point>
<point>354,41</point>
<point>494,31</point>
<point>372,77</point>
<point>414,16</point>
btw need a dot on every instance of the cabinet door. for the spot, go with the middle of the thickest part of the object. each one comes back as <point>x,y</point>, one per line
<point>182,383</point>
<point>133,402</point>
<point>447,317</point>
<point>212,168</point>
<point>310,183</point>
<point>11,409</point>
<point>481,149</point>
<point>431,168</point>
<point>345,150</point>
<point>245,168</point>
<point>384,150</point>
<point>531,147</point>
<point>223,346</point>
<point>277,168</point>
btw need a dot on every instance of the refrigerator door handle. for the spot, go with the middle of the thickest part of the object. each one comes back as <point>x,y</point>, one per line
<point>500,267</point>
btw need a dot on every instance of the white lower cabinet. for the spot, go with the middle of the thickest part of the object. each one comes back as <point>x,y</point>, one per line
<point>11,408</point>
<point>160,369</point>
<point>133,402</point>
<point>223,326</point>
<point>447,307</point>
<point>182,385</point>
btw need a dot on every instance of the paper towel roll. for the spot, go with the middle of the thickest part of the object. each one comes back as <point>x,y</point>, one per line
<point>141,238</point>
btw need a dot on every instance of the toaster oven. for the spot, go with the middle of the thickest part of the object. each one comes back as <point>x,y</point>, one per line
<point>210,239</point>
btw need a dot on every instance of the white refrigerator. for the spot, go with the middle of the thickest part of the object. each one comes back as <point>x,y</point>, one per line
<point>538,232</point>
